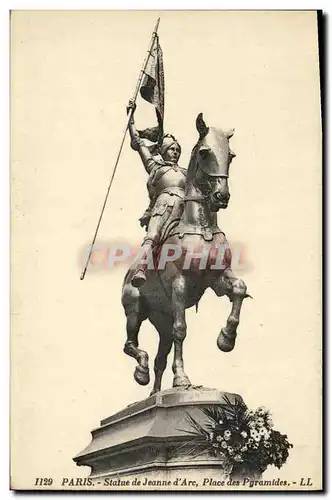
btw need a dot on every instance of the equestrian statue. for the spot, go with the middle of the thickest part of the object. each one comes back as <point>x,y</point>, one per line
<point>182,213</point>
<point>181,217</point>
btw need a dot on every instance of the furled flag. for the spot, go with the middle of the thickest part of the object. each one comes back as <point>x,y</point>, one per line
<point>152,88</point>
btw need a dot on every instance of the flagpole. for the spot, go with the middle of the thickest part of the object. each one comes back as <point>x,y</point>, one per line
<point>151,44</point>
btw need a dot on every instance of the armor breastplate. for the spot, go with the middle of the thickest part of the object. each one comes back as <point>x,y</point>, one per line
<point>165,176</point>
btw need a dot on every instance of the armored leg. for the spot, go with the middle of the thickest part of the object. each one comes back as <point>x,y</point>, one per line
<point>139,277</point>
<point>149,244</point>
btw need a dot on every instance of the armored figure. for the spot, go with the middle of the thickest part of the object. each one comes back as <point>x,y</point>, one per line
<point>166,184</point>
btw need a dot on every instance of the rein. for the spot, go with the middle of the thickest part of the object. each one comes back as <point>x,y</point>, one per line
<point>202,197</point>
<point>198,197</point>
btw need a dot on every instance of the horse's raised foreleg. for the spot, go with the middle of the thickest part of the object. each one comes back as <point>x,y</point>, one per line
<point>236,290</point>
<point>179,330</point>
<point>135,317</point>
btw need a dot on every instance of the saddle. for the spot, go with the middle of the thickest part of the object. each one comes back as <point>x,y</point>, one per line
<point>176,227</point>
<point>207,232</point>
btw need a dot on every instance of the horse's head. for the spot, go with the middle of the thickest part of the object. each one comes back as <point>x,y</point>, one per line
<point>211,158</point>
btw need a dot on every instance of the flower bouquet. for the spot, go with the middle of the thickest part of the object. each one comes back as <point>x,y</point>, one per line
<point>244,440</point>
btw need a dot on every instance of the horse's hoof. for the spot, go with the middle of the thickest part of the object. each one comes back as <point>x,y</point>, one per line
<point>226,342</point>
<point>181,382</point>
<point>154,391</point>
<point>138,279</point>
<point>142,375</point>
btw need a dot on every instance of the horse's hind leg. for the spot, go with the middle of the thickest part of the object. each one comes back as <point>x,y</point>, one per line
<point>164,324</point>
<point>236,290</point>
<point>135,316</point>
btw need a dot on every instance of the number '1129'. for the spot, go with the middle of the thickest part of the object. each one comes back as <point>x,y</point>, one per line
<point>43,481</point>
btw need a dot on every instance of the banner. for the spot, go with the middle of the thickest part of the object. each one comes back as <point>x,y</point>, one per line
<point>153,85</point>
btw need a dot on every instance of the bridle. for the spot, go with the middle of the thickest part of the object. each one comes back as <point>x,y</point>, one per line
<point>204,197</point>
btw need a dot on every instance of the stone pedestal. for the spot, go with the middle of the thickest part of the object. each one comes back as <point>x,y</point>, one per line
<point>148,439</point>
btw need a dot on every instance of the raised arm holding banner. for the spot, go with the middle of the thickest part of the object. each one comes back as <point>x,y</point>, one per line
<point>140,79</point>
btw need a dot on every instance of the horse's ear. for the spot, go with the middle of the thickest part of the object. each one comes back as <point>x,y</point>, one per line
<point>229,133</point>
<point>201,126</point>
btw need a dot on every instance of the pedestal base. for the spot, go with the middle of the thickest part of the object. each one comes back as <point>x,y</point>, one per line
<point>149,440</point>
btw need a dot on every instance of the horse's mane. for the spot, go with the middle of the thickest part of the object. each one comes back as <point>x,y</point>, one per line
<point>191,170</point>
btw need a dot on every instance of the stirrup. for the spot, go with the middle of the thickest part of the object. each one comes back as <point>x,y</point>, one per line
<point>138,279</point>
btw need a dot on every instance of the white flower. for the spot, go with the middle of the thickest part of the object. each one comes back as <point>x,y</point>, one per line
<point>244,448</point>
<point>264,433</point>
<point>221,422</point>
<point>244,434</point>
<point>227,434</point>
<point>269,421</point>
<point>251,424</point>
<point>260,422</point>
<point>230,450</point>
<point>238,458</point>
<point>253,433</point>
<point>219,438</point>
<point>261,411</point>
<point>224,444</point>
<point>256,437</point>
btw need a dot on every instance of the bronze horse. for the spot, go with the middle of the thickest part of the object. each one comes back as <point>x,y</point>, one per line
<point>168,292</point>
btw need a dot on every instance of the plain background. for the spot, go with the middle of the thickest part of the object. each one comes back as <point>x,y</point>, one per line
<point>72,74</point>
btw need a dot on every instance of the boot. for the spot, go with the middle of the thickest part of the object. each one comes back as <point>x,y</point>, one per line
<point>139,277</point>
